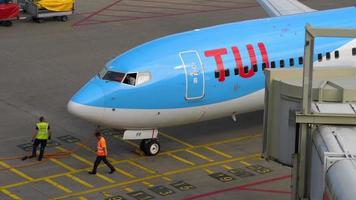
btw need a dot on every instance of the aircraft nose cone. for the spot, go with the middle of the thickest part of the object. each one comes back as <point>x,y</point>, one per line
<point>87,102</point>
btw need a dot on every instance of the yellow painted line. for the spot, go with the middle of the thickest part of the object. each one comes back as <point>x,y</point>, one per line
<point>200,155</point>
<point>59,186</point>
<point>181,159</point>
<point>105,178</point>
<point>176,139</point>
<point>131,161</point>
<point>141,167</point>
<point>17,172</point>
<point>120,184</point>
<point>127,141</point>
<point>11,195</point>
<point>209,171</point>
<point>127,189</point>
<point>75,156</point>
<point>65,166</point>
<point>80,181</point>
<point>227,167</point>
<point>148,184</point>
<point>82,198</point>
<point>245,163</point>
<point>167,179</point>
<point>218,152</point>
<point>125,173</point>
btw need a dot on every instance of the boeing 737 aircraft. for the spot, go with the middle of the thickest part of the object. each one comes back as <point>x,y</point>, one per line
<point>207,73</point>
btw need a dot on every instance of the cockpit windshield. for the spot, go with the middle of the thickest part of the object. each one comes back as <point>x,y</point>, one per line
<point>129,78</point>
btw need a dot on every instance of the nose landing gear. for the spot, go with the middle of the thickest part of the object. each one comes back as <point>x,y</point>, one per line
<point>150,147</point>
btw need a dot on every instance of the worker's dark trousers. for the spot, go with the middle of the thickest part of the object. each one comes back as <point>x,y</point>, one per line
<point>98,160</point>
<point>43,144</point>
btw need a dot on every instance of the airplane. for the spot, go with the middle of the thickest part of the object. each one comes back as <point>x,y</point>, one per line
<point>207,73</point>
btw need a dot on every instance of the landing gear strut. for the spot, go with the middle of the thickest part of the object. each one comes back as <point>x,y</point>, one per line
<point>150,147</point>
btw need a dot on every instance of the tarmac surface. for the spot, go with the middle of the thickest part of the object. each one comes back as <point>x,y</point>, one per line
<point>43,65</point>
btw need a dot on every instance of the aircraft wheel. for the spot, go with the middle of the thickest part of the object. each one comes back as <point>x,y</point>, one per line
<point>151,147</point>
<point>64,18</point>
<point>7,23</point>
<point>142,144</point>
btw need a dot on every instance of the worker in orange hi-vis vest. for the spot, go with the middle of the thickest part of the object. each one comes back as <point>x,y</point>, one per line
<point>101,152</point>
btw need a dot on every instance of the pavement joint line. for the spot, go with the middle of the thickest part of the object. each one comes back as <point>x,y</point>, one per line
<point>141,167</point>
<point>176,139</point>
<point>80,181</point>
<point>182,159</point>
<point>65,166</point>
<point>227,167</point>
<point>173,172</point>
<point>245,163</point>
<point>166,178</point>
<point>105,178</point>
<point>127,189</point>
<point>124,173</point>
<point>11,195</point>
<point>59,186</point>
<point>130,160</point>
<point>148,184</point>
<point>200,155</point>
<point>209,171</point>
<point>17,172</point>
<point>218,152</point>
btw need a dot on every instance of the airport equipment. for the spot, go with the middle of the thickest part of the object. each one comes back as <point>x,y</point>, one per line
<point>8,13</point>
<point>297,139</point>
<point>38,13</point>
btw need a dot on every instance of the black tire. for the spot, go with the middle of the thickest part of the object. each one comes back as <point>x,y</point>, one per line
<point>64,18</point>
<point>142,144</point>
<point>151,147</point>
<point>8,23</point>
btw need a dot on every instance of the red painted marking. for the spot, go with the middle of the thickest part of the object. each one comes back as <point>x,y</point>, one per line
<point>97,12</point>
<point>160,7</point>
<point>268,191</point>
<point>242,187</point>
<point>264,54</point>
<point>217,53</point>
<point>138,11</point>
<point>239,63</point>
<point>180,3</point>
<point>83,22</point>
<point>326,196</point>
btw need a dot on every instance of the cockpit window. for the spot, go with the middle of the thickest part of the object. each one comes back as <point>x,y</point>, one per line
<point>130,79</point>
<point>112,76</point>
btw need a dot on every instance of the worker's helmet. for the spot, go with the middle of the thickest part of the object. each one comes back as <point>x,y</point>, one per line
<point>41,119</point>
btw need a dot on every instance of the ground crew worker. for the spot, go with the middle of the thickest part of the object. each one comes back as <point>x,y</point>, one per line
<point>101,152</point>
<point>41,136</point>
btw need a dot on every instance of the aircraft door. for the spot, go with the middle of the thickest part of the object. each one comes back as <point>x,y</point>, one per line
<point>194,75</point>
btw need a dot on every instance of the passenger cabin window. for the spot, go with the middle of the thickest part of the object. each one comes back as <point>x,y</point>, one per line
<point>273,64</point>
<point>264,66</point>
<point>320,57</point>
<point>227,72</point>
<point>246,69</point>
<point>130,79</point>
<point>354,51</point>
<point>336,54</point>
<point>291,62</point>
<point>255,68</point>
<point>281,63</point>
<point>327,56</point>
<point>300,60</point>
<point>236,71</point>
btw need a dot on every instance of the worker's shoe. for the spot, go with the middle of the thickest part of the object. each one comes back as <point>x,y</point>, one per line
<point>112,171</point>
<point>91,172</point>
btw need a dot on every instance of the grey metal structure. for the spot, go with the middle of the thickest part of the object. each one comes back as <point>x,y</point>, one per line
<point>38,14</point>
<point>302,179</point>
<point>299,142</point>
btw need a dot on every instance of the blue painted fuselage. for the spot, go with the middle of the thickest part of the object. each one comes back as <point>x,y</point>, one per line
<point>183,76</point>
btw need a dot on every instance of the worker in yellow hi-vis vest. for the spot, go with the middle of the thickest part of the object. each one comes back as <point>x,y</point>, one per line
<point>41,136</point>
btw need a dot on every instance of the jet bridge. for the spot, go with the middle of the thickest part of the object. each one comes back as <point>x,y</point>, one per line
<point>311,124</point>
